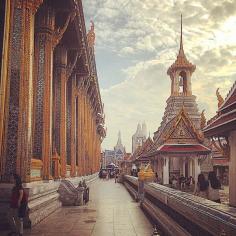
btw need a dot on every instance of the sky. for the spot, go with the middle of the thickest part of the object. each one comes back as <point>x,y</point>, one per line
<point>136,42</point>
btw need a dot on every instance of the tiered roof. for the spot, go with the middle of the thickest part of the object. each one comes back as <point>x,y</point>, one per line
<point>180,136</point>
<point>143,150</point>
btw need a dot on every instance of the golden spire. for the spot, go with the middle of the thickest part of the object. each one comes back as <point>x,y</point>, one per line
<point>91,35</point>
<point>181,48</point>
<point>181,62</point>
<point>203,119</point>
<point>219,98</point>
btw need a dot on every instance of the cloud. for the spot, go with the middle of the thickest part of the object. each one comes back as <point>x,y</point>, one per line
<point>145,34</point>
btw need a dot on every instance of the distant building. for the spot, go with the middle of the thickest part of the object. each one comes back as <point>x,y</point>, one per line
<point>139,137</point>
<point>116,155</point>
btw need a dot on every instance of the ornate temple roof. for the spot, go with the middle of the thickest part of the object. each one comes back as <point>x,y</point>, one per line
<point>181,62</point>
<point>181,127</point>
<point>225,120</point>
<point>180,135</point>
<point>230,99</point>
<point>144,149</point>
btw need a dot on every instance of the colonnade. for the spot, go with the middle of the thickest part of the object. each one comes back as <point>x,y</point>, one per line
<point>52,121</point>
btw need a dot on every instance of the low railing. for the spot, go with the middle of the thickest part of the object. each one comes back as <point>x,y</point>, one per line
<point>180,213</point>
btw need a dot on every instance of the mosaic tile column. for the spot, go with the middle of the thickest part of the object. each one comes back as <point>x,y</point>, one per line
<point>79,143</point>
<point>60,79</point>
<point>18,146</point>
<point>5,17</point>
<point>83,135</point>
<point>45,23</point>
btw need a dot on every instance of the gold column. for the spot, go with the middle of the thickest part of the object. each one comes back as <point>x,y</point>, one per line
<point>4,79</point>
<point>89,136</point>
<point>60,79</point>
<point>73,127</point>
<point>80,133</point>
<point>18,148</point>
<point>83,133</point>
<point>43,78</point>
<point>86,132</point>
<point>92,140</point>
<point>47,37</point>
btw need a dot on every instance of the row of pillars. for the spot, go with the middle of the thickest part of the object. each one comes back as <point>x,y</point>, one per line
<point>58,116</point>
<point>193,168</point>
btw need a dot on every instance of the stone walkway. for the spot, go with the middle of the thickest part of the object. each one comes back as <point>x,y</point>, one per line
<point>110,211</point>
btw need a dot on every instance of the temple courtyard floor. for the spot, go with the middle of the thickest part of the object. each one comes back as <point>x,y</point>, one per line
<point>110,211</point>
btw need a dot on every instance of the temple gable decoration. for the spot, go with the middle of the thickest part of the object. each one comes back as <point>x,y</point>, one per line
<point>182,130</point>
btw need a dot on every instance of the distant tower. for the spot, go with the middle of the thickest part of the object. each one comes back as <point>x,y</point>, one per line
<point>139,137</point>
<point>119,149</point>
<point>144,130</point>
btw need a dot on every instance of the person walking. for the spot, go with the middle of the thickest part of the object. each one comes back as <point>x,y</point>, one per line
<point>18,207</point>
<point>201,189</point>
<point>116,176</point>
<point>214,187</point>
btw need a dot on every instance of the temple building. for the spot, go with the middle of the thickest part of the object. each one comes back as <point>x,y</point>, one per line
<point>139,137</point>
<point>179,145</point>
<point>51,113</point>
<point>222,127</point>
<point>139,156</point>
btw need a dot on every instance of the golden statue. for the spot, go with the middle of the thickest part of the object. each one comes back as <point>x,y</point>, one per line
<point>219,98</point>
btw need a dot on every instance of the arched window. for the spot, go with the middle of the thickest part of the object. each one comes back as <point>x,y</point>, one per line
<point>182,83</point>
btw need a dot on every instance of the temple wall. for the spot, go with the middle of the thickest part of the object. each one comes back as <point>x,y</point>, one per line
<point>51,113</point>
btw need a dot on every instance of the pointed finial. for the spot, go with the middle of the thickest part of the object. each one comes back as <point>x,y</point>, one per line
<point>91,35</point>
<point>181,48</point>
<point>203,119</point>
<point>219,98</point>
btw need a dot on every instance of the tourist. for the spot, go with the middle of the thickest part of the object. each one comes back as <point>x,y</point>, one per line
<point>202,187</point>
<point>214,186</point>
<point>18,206</point>
<point>156,175</point>
<point>174,182</point>
<point>182,182</point>
<point>116,175</point>
<point>189,182</point>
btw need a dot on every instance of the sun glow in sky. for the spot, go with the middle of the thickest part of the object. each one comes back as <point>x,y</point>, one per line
<point>136,42</point>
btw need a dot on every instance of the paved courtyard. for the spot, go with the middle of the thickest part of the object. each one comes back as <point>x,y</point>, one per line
<point>110,211</point>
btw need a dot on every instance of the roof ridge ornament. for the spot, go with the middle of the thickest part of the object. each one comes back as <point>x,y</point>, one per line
<point>203,119</point>
<point>219,98</point>
<point>91,35</point>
